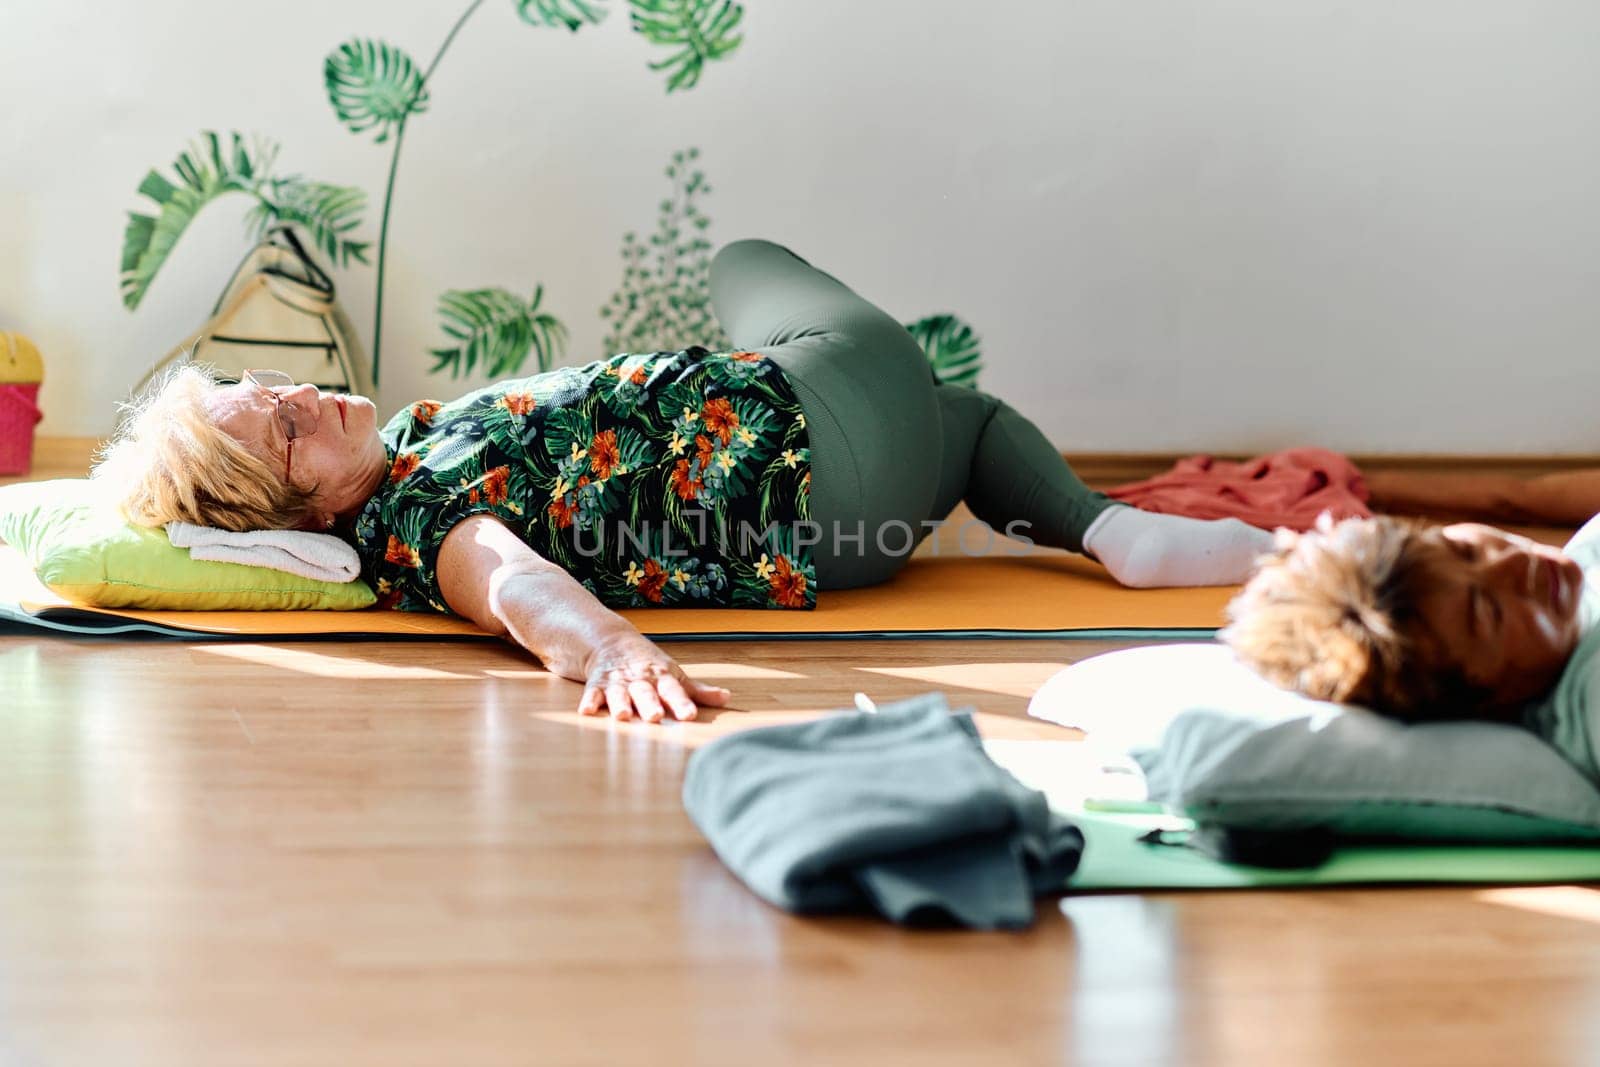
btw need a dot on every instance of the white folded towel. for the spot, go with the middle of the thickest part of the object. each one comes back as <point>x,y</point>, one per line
<point>323,557</point>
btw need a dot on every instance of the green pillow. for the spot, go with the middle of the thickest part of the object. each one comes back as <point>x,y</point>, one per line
<point>1222,745</point>
<point>86,552</point>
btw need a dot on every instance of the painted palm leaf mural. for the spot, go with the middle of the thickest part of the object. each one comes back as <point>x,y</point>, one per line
<point>372,85</point>
<point>697,32</point>
<point>327,213</point>
<point>573,14</point>
<point>377,88</point>
<point>217,165</point>
<point>497,330</point>
<point>952,348</point>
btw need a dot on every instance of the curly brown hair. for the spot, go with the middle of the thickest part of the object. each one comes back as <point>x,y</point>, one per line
<point>1335,615</point>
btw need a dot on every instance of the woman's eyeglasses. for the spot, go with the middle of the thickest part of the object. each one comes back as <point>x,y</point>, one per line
<point>297,421</point>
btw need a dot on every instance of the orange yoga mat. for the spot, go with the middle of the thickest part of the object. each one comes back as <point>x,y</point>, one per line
<point>1043,594</point>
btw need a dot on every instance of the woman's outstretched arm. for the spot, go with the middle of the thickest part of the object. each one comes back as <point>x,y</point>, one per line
<point>489,575</point>
<point>1568,498</point>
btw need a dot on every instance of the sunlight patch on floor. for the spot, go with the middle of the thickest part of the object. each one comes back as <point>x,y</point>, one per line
<point>1009,679</point>
<point>704,672</point>
<point>733,670</point>
<point>1068,772</point>
<point>711,724</point>
<point>1562,901</point>
<point>304,661</point>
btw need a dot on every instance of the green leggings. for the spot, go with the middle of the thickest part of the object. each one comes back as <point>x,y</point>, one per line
<point>892,449</point>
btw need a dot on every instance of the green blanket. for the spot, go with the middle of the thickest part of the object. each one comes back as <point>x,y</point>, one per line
<point>1115,858</point>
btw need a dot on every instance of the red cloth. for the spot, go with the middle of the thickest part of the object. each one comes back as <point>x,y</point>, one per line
<point>1288,488</point>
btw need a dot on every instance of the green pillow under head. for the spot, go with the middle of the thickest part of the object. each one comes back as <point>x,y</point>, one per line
<point>1224,746</point>
<point>86,552</point>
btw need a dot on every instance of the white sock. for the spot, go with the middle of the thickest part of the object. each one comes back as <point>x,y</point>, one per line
<point>1143,549</point>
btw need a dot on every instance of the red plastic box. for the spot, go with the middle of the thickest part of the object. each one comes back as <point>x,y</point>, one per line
<point>19,413</point>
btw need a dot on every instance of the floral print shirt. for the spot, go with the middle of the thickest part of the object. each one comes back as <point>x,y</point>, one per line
<point>676,479</point>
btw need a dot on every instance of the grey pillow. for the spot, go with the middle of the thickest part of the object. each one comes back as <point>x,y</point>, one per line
<point>1224,746</point>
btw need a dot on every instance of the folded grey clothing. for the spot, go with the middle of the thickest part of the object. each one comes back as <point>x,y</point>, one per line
<point>901,812</point>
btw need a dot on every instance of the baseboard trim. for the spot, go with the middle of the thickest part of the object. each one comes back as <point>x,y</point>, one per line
<point>58,457</point>
<point>69,457</point>
<point>1101,469</point>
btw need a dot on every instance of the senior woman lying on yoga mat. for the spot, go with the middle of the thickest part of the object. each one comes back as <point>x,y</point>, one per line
<point>1433,622</point>
<point>813,460</point>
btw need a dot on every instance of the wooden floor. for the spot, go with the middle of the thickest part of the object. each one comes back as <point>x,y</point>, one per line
<point>367,853</point>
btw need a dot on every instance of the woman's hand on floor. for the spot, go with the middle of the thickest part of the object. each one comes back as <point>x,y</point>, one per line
<point>629,675</point>
<point>487,574</point>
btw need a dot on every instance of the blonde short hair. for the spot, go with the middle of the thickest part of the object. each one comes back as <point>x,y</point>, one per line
<point>169,462</point>
<point>1335,615</point>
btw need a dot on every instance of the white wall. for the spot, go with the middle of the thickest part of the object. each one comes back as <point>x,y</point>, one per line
<point>1202,225</point>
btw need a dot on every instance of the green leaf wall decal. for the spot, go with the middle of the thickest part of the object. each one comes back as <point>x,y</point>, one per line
<point>327,213</point>
<point>497,329</point>
<point>698,31</point>
<point>573,14</point>
<point>210,167</point>
<point>215,165</point>
<point>952,348</point>
<point>372,84</point>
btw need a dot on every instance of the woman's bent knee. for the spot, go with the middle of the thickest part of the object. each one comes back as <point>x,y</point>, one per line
<point>738,255</point>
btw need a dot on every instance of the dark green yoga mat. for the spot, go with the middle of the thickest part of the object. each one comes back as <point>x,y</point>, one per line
<point>1115,858</point>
